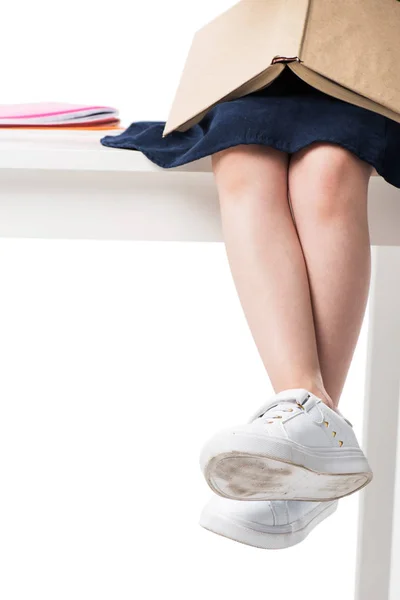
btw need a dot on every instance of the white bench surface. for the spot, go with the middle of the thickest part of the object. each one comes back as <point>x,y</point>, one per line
<point>77,151</point>
<point>71,172</point>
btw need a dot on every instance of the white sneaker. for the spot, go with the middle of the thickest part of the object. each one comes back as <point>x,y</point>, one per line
<point>270,525</point>
<point>294,448</point>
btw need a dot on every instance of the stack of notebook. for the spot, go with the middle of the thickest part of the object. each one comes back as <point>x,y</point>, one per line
<point>58,115</point>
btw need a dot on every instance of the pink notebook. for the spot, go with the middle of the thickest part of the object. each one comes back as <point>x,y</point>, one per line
<point>55,113</point>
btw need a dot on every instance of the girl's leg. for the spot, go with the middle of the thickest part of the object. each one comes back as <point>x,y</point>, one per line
<point>328,188</point>
<point>267,263</point>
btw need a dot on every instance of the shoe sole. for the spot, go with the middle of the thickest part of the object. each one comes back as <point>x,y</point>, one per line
<point>244,476</point>
<point>267,540</point>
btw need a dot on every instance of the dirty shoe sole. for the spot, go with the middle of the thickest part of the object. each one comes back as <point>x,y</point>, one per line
<point>276,469</point>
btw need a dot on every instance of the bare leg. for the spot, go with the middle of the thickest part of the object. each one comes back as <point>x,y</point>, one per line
<point>328,188</point>
<point>267,263</point>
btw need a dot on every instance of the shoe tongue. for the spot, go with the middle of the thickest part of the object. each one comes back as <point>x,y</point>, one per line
<point>299,395</point>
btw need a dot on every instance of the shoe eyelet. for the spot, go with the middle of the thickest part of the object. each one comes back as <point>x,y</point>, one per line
<point>326,423</point>
<point>340,443</point>
<point>334,433</point>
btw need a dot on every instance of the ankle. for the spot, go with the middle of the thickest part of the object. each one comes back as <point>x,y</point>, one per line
<point>321,393</point>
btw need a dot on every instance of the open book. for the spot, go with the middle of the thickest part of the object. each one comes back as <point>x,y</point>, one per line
<point>56,114</point>
<point>348,49</point>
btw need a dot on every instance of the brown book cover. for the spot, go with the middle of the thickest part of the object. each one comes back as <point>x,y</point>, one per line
<point>348,49</point>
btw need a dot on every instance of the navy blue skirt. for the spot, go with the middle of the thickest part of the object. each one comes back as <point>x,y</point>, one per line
<point>288,115</point>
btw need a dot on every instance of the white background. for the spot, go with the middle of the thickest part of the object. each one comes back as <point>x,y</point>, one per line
<point>119,359</point>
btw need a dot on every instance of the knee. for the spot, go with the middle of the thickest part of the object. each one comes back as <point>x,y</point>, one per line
<point>327,182</point>
<point>250,171</point>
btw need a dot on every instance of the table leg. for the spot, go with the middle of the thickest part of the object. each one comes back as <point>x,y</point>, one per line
<point>376,523</point>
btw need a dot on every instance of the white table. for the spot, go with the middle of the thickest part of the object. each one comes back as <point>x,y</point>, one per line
<point>66,185</point>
